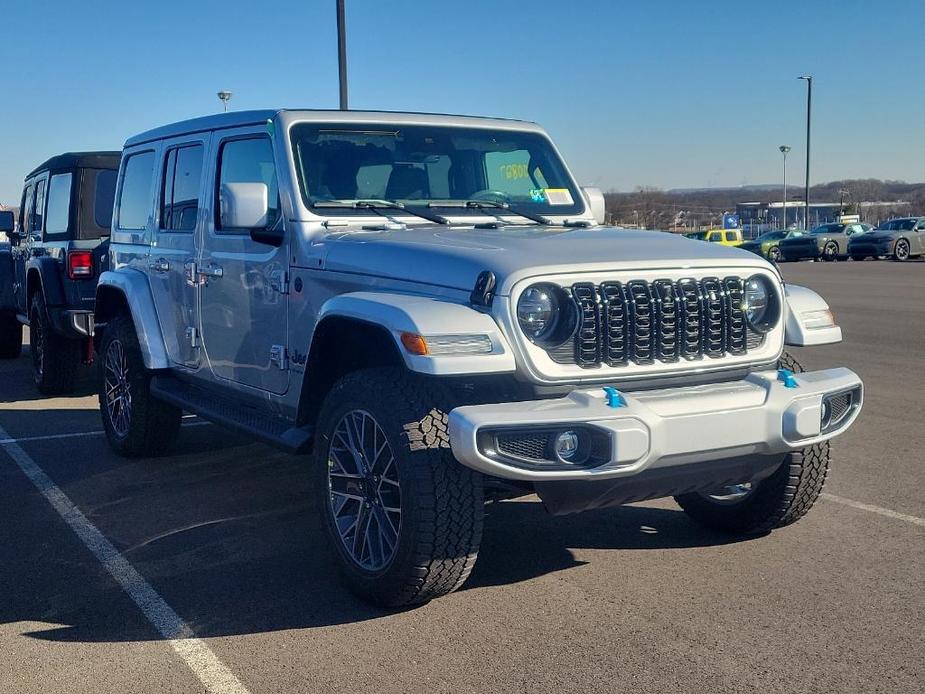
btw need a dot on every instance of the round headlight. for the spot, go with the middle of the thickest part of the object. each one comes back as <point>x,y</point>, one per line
<point>761,306</point>
<point>538,311</point>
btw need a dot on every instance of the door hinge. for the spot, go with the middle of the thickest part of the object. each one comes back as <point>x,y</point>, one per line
<point>279,281</point>
<point>193,336</point>
<point>280,357</point>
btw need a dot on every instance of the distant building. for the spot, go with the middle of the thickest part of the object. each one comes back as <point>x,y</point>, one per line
<point>758,217</point>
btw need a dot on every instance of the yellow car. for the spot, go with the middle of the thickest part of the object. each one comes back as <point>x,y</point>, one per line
<point>725,237</point>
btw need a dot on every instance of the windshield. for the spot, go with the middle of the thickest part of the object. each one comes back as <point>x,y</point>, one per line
<point>829,229</point>
<point>429,166</point>
<point>897,225</point>
<point>697,235</point>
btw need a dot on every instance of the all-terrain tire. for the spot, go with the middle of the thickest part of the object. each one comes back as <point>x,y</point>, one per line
<point>442,502</point>
<point>10,337</point>
<point>55,358</point>
<point>152,425</point>
<point>781,499</point>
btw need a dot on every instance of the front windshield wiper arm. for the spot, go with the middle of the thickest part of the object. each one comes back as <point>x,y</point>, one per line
<point>492,205</point>
<point>378,205</point>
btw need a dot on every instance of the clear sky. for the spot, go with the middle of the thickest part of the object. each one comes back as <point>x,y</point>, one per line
<point>670,94</point>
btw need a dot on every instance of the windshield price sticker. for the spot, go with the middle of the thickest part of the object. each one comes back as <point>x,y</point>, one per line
<point>558,196</point>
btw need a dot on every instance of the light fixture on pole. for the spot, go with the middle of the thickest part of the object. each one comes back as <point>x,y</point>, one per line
<point>809,111</point>
<point>225,96</point>
<point>784,149</point>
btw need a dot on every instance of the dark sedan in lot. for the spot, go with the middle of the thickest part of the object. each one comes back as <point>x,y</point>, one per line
<point>825,242</point>
<point>767,245</point>
<point>900,239</point>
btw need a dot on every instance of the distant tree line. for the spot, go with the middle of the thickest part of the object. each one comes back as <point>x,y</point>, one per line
<point>653,208</point>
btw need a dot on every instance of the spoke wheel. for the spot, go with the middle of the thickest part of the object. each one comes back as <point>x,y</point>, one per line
<point>364,491</point>
<point>774,254</point>
<point>117,390</point>
<point>830,252</point>
<point>37,345</point>
<point>902,250</point>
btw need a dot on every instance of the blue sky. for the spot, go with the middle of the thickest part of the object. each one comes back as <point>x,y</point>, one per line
<point>669,94</point>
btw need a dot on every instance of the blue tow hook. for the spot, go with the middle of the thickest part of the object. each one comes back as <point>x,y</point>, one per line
<point>614,399</point>
<point>786,376</point>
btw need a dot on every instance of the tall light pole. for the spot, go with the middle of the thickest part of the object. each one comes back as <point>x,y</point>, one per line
<point>225,96</point>
<point>342,53</point>
<point>784,149</point>
<point>809,111</point>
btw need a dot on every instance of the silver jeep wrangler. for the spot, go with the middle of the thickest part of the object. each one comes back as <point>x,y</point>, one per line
<point>429,306</point>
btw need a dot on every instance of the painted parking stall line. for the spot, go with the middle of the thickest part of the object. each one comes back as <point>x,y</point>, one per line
<point>870,508</point>
<point>205,665</point>
<point>75,435</point>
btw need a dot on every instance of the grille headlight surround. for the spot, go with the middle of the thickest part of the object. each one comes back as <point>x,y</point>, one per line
<point>546,314</point>
<point>761,304</point>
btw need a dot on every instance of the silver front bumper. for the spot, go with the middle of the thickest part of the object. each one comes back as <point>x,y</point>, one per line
<point>758,415</point>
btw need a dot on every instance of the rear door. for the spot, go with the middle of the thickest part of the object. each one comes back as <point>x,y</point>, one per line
<point>177,230</point>
<point>244,283</point>
<point>918,237</point>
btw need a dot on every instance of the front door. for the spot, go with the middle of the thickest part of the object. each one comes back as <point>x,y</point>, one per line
<point>244,283</point>
<point>20,252</point>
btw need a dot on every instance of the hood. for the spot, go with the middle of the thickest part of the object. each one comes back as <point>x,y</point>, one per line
<point>454,256</point>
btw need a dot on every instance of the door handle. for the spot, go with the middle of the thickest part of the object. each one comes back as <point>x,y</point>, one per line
<point>159,265</point>
<point>211,271</point>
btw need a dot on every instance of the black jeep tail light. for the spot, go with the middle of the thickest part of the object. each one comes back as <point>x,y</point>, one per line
<point>79,264</point>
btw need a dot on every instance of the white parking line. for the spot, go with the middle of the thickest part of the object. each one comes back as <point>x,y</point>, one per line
<point>915,520</point>
<point>76,434</point>
<point>212,672</point>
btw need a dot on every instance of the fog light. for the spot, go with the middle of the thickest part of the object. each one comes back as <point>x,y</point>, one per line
<point>566,446</point>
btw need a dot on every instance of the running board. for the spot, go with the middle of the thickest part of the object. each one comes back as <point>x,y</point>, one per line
<point>218,409</point>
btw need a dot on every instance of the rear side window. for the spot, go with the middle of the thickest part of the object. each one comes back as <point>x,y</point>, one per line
<point>25,210</point>
<point>180,192</point>
<point>38,209</point>
<point>58,214</point>
<point>249,161</point>
<point>103,196</point>
<point>135,196</point>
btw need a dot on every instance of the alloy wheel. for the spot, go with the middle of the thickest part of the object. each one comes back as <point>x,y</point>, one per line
<point>118,392</point>
<point>830,252</point>
<point>902,250</point>
<point>37,345</point>
<point>364,491</point>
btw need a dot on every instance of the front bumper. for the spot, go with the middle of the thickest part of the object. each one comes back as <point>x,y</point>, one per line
<point>874,248</point>
<point>799,251</point>
<point>663,429</point>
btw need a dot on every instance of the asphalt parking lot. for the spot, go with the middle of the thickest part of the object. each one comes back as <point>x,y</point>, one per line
<point>629,599</point>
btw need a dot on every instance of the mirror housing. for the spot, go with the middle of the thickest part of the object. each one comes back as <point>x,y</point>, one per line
<point>7,221</point>
<point>596,205</point>
<point>245,206</point>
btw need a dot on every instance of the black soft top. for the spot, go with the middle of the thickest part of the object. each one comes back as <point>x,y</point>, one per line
<point>79,160</point>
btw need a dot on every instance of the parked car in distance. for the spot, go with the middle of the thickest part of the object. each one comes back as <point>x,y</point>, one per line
<point>429,306</point>
<point>57,251</point>
<point>825,242</point>
<point>724,237</point>
<point>766,245</point>
<point>900,239</point>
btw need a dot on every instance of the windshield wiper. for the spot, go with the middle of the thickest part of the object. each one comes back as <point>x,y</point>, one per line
<point>378,205</point>
<point>492,205</point>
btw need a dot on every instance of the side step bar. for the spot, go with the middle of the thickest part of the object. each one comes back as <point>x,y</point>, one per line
<point>224,412</point>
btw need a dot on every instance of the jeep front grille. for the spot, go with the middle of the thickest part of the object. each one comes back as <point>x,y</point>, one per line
<point>642,322</point>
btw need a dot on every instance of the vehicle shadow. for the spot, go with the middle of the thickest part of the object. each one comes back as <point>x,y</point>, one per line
<point>16,383</point>
<point>228,534</point>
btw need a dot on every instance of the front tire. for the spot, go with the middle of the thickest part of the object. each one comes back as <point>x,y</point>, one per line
<point>830,252</point>
<point>774,254</point>
<point>901,250</point>
<point>10,337</point>
<point>383,466</point>
<point>779,500</point>
<point>55,358</point>
<point>136,423</point>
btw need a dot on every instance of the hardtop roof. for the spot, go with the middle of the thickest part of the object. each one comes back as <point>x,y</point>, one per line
<point>236,119</point>
<point>78,160</point>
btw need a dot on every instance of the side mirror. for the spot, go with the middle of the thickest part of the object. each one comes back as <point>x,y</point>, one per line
<point>7,221</point>
<point>596,205</point>
<point>245,206</point>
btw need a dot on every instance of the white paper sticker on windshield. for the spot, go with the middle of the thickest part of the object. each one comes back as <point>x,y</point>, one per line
<point>558,196</point>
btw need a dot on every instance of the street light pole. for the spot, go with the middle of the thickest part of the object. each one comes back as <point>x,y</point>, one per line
<point>225,96</point>
<point>784,149</point>
<point>809,111</point>
<point>342,53</point>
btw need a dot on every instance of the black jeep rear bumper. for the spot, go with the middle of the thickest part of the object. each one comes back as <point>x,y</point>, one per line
<point>72,323</point>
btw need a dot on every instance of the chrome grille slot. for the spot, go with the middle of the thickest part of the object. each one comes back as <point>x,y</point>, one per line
<point>587,340</point>
<point>714,314</point>
<point>667,312</point>
<point>692,319</point>
<point>735,317</point>
<point>615,324</point>
<point>641,321</point>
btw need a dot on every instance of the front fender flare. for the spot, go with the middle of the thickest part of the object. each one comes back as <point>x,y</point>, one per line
<point>426,316</point>
<point>134,288</point>
<point>798,332</point>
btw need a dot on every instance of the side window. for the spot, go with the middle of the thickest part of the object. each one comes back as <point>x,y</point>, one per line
<point>25,210</point>
<point>103,197</point>
<point>249,161</point>
<point>135,195</point>
<point>180,192</point>
<point>716,236</point>
<point>58,213</point>
<point>38,209</point>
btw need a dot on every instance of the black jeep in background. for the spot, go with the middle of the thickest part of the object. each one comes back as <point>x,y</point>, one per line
<point>48,272</point>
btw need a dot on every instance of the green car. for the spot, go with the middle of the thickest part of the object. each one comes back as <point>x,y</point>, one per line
<point>766,244</point>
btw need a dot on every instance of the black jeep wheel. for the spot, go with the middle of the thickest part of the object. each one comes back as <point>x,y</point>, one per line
<point>136,423</point>
<point>404,518</point>
<point>901,250</point>
<point>781,499</point>
<point>55,358</point>
<point>830,252</point>
<point>10,337</point>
